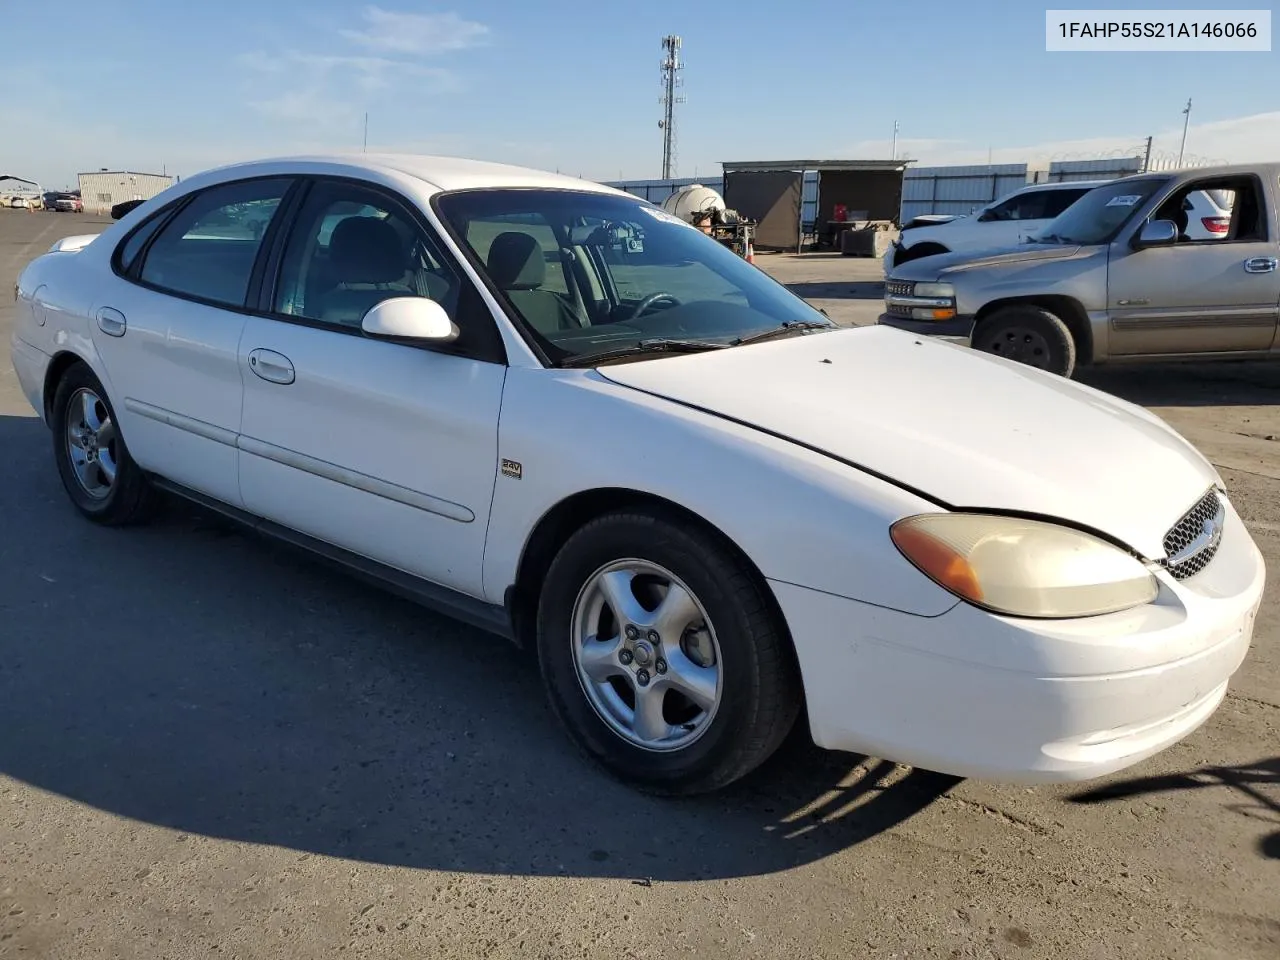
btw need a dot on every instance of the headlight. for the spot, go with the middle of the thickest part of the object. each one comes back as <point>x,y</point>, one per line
<point>1023,568</point>
<point>934,290</point>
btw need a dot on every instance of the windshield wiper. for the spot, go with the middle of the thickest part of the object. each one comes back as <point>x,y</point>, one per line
<point>790,326</point>
<point>655,345</point>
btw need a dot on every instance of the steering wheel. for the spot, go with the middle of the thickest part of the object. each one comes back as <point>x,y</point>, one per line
<point>651,300</point>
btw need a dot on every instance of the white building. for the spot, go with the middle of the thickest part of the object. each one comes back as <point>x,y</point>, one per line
<point>102,190</point>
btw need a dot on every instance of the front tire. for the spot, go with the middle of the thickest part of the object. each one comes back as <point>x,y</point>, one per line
<point>662,656</point>
<point>100,477</point>
<point>1030,335</point>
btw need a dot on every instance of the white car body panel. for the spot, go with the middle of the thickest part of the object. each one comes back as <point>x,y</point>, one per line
<point>415,432</point>
<point>989,452</point>
<point>801,452</point>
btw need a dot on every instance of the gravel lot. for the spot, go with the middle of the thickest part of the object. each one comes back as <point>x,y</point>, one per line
<point>212,747</point>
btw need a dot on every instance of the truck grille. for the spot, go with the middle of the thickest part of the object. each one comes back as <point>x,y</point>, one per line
<point>898,288</point>
<point>1192,542</point>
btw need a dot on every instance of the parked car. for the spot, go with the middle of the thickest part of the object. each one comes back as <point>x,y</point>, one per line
<point>1118,277</point>
<point>551,409</point>
<point>68,203</point>
<point>1002,222</point>
<point>24,202</point>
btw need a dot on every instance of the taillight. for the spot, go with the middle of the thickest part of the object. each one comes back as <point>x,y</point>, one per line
<point>1216,224</point>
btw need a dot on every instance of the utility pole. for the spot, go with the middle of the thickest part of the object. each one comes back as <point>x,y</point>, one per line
<point>365,148</point>
<point>671,82</point>
<point>1146,160</point>
<point>894,152</point>
<point>1185,123</point>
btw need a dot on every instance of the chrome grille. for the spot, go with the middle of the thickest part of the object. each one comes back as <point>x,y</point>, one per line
<point>1192,542</point>
<point>898,288</point>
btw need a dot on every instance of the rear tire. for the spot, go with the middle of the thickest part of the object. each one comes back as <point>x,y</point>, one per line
<point>100,477</point>
<point>674,698</point>
<point>1028,334</point>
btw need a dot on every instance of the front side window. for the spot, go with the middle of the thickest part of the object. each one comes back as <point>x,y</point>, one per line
<point>207,251</point>
<point>352,248</point>
<point>591,273</point>
<point>1227,210</point>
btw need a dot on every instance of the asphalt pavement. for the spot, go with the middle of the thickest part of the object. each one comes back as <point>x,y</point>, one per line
<point>211,746</point>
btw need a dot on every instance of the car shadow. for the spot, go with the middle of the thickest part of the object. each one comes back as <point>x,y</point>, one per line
<point>1222,383</point>
<point>186,675</point>
<point>1247,781</point>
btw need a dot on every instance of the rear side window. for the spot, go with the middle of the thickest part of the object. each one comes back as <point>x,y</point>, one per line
<point>207,251</point>
<point>132,246</point>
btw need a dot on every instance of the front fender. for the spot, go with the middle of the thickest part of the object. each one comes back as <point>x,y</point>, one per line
<point>799,516</point>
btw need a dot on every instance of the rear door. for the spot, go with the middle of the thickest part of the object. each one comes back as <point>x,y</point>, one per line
<point>168,328</point>
<point>1218,295</point>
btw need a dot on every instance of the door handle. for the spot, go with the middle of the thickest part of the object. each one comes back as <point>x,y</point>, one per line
<point>111,321</point>
<point>272,366</point>
<point>1261,265</point>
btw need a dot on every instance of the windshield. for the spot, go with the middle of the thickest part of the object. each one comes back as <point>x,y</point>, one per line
<point>594,273</point>
<point>1100,214</point>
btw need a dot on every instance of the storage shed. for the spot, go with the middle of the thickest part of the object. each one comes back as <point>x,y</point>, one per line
<point>102,190</point>
<point>772,192</point>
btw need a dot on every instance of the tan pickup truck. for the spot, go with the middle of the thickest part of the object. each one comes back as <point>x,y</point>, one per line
<point>1115,278</point>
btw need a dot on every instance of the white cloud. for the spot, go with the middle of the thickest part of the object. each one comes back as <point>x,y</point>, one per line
<point>421,34</point>
<point>1237,140</point>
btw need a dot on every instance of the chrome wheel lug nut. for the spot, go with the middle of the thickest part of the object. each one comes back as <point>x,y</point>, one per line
<point>632,632</point>
<point>653,637</point>
<point>660,666</point>
<point>625,657</point>
<point>642,678</point>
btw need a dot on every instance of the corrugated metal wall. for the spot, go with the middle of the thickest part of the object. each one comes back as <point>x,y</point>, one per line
<point>958,190</point>
<point>102,190</point>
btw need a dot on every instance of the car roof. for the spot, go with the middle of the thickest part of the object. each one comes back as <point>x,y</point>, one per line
<point>439,172</point>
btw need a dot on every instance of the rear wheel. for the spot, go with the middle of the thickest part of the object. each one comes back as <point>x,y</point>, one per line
<point>99,475</point>
<point>662,657</point>
<point>1030,335</point>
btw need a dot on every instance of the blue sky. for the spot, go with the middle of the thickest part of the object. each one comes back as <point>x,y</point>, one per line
<point>151,84</point>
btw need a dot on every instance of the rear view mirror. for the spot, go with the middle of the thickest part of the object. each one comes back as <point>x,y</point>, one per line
<point>409,318</point>
<point>1158,233</point>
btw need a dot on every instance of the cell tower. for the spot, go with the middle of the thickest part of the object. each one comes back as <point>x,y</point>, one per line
<point>671,84</point>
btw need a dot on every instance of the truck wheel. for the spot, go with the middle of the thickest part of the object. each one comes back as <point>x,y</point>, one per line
<point>1030,335</point>
<point>661,656</point>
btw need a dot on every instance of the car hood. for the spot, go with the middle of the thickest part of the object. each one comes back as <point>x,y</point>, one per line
<point>964,428</point>
<point>938,265</point>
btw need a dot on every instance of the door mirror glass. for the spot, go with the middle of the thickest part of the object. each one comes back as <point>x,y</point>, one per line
<point>1158,233</point>
<point>409,318</point>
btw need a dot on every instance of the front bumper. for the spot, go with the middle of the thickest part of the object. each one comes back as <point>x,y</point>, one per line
<point>1026,701</point>
<point>958,328</point>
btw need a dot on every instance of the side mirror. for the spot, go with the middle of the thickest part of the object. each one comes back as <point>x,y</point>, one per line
<point>986,216</point>
<point>1158,233</point>
<point>414,319</point>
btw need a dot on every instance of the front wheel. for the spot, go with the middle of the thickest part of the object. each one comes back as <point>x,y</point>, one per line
<point>1030,335</point>
<point>661,655</point>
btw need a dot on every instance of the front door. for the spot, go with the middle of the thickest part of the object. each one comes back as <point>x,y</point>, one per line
<point>1199,296</point>
<point>168,330</point>
<point>383,449</point>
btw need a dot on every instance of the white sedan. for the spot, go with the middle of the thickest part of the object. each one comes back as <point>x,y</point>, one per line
<point>550,409</point>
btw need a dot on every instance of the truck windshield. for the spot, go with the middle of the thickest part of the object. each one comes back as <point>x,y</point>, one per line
<point>1100,214</point>
<point>593,273</point>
